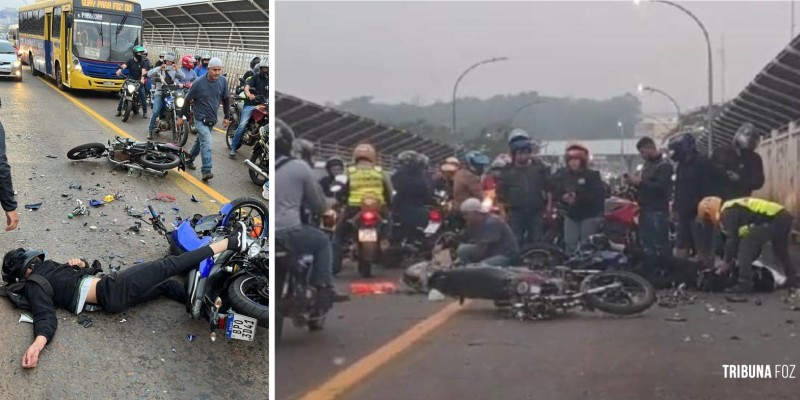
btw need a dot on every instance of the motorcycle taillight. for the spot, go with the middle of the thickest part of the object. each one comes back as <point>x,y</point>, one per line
<point>369,218</point>
<point>434,216</point>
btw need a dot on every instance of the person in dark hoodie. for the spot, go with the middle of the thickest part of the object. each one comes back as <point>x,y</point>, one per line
<point>523,189</point>
<point>413,188</point>
<point>739,169</point>
<point>41,285</point>
<point>654,188</point>
<point>694,180</point>
<point>582,191</point>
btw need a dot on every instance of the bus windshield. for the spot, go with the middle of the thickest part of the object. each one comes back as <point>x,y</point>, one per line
<point>105,37</point>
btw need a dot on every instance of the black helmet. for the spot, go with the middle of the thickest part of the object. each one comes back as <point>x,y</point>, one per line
<point>305,149</point>
<point>254,62</point>
<point>284,138</point>
<point>334,161</point>
<point>746,137</point>
<point>17,261</point>
<point>411,157</point>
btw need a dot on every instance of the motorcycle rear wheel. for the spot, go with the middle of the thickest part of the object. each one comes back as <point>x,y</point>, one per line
<point>229,133</point>
<point>238,213</point>
<point>367,253</point>
<point>159,161</point>
<point>84,151</point>
<point>258,159</point>
<point>241,293</point>
<point>128,108</point>
<point>640,303</point>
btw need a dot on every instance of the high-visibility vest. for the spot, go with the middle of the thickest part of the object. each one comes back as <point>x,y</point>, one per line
<point>757,206</point>
<point>364,182</point>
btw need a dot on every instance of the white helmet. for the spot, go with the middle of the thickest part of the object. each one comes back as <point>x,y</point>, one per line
<point>264,63</point>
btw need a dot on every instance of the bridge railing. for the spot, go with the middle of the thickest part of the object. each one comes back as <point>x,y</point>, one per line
<point>781,155</point>
<point>235,64</point>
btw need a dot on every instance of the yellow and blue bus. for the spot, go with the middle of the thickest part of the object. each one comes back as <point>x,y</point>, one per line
<point>79,43</point>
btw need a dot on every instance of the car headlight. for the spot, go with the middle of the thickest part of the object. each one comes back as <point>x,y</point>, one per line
<point>131,88</point>
<point>179,102</point>
<point>17,64</point>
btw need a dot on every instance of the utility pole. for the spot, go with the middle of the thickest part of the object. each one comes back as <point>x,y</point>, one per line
<point>722,61</point>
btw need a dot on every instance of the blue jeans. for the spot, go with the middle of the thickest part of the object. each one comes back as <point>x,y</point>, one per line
<point>247,112</point>
<point>142,100</point>
<point>158,104</point>
<point>527,225</point>
<point>654,233</point>
<point>466,254</point>
<point>577,232</point>
<point>202,145</point>
<point>308,240</point>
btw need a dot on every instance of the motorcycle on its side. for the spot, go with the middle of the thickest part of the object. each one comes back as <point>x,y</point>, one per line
<point>151,157</point>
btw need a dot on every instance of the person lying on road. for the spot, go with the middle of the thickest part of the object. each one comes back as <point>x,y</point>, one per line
<point>41,285</point>
<point>489,238</point>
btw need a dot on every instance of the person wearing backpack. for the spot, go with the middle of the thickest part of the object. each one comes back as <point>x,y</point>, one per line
<point>40,285</point>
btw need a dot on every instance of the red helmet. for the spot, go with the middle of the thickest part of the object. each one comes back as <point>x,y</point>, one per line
<point>187,62</point>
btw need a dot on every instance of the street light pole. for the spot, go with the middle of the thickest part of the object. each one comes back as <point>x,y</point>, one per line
<point>621,144</point>
<point>663,93</point>
<point>710,116</point>
<point>517,111</point>
<point>455,87</point>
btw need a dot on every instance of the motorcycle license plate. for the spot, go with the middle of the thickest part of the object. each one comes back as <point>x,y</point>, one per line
<point>240,327</point>
<point>432,228</point>
<point>107,83</point>
<point>367,235</point>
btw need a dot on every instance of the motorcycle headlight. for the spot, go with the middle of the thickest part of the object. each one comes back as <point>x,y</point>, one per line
<point>179,102</point>
<point>522,288</point>
<point>131,88</point>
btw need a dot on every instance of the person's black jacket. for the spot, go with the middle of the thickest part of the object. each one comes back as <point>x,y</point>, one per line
<point>326,183</point>
<point>64,280</point>
<point>259,86</point>
<point>524,188</point>
<point>653,193</point>
<point>6,188</point>
<point>694,180</point>
<point>747,164</point>
<point>135,68</point>
<point>589,192</point>
<point>413,188</point>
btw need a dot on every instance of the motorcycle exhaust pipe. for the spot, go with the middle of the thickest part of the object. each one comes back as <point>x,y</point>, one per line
<point>139,168</point>
<point>256,168</point>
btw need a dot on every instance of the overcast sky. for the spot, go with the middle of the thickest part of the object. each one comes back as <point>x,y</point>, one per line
<point>409,52</point>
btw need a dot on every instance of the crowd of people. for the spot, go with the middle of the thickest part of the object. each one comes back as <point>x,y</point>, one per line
<point>501,204</point>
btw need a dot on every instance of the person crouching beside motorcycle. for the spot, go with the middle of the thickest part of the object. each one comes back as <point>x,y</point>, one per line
<point>41,285</point>
<point>136,70</point>
<point>365,178</point>
<point>413,192</point>
<point>694,181</point>
<point>582,191</point>
<point>488,238</point>
<point>256,86</point>
<point>334,166</point>
<point>747,224</point>
<point>172,75</point>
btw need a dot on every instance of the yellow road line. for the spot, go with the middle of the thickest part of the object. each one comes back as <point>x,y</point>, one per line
<point>191,179</point>
<point>357,372</point>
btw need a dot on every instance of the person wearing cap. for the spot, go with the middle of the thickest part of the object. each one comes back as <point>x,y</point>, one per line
<point>488,238</point>
<point>748,223</point>
<point>41,285</point>
<point>203,67</point>
<point>448,169</point>
<point>206,92</point>
<point>169,74</point>
<point>7,199</point>
<point>582,193</point>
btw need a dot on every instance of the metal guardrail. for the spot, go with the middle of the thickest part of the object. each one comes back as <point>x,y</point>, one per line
<point>781,155</point>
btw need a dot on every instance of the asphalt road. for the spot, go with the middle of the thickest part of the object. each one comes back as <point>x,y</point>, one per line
<point>143,353</point>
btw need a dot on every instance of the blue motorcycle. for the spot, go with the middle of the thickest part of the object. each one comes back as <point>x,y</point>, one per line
<point>229,290</point>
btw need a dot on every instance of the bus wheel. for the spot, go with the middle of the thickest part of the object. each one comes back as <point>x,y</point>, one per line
<point>59,81</point>
<point>30,61</point>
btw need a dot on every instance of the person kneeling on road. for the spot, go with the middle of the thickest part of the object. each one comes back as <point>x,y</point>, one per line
<point>489,238</point>
<point>748,223</point>
<point>41,285</point>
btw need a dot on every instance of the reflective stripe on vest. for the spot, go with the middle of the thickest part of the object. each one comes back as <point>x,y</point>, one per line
<point>755,205</point>
<point>363,182</point>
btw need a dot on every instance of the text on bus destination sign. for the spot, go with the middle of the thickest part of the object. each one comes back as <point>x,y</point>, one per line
<point>108,5</point>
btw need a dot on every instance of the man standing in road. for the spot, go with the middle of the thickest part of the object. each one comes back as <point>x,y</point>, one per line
<point>207,92</point>
<point>257,91</point>
<point>6,188</point>
<point>654,189</point>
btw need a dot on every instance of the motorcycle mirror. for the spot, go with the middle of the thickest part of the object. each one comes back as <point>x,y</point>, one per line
<point>336,189</point>
<point>341,179</point>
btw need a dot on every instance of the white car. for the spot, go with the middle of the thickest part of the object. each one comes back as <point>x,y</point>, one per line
<point>10,65</point>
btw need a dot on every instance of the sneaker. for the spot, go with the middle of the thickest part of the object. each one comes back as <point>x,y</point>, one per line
<point>144,115</point>
<point>232,153</point>
<point>150,136</point>
<point>119,112</point>
<point>237,240</point>
<point>207,176</point>
<point>190,165</point>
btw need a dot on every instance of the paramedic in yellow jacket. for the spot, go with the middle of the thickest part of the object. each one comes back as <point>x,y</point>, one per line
<point>748,223</point>
<point>365,178</point>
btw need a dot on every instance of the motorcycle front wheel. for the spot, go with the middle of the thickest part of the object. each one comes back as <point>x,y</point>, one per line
<point>180,134</point>
<point>634,295</point>
<point>262,161</point>
<point>88,150</point>
<point>249,210</point>
<point>128,108</point>
<point>229,133</point>
<point>160,161</point>
<point>250,296</point>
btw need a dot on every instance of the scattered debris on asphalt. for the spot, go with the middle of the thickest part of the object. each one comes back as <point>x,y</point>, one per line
<point>676,318</point>
<point>339,361</point>
<point>123,320</point>
<point>758,302</point>
<point>789,321</point>
<point>194,200</point>
<point>687,339</point>
<point>174,351</point>
<point>736,299</point>
<point>138,261</point>
<point>191,338</point>
<point>435,295</point>
<point>25,317</point>
<point>75,185</point>
<point>85,321</point>
<point>94,228</point>
<point>678,296</point>
<point>80,209</point>
<point>34,206</point>
<point>734,337</point>
<point>165,197</point>
<point>96,203</point>
<point>49,156</point>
